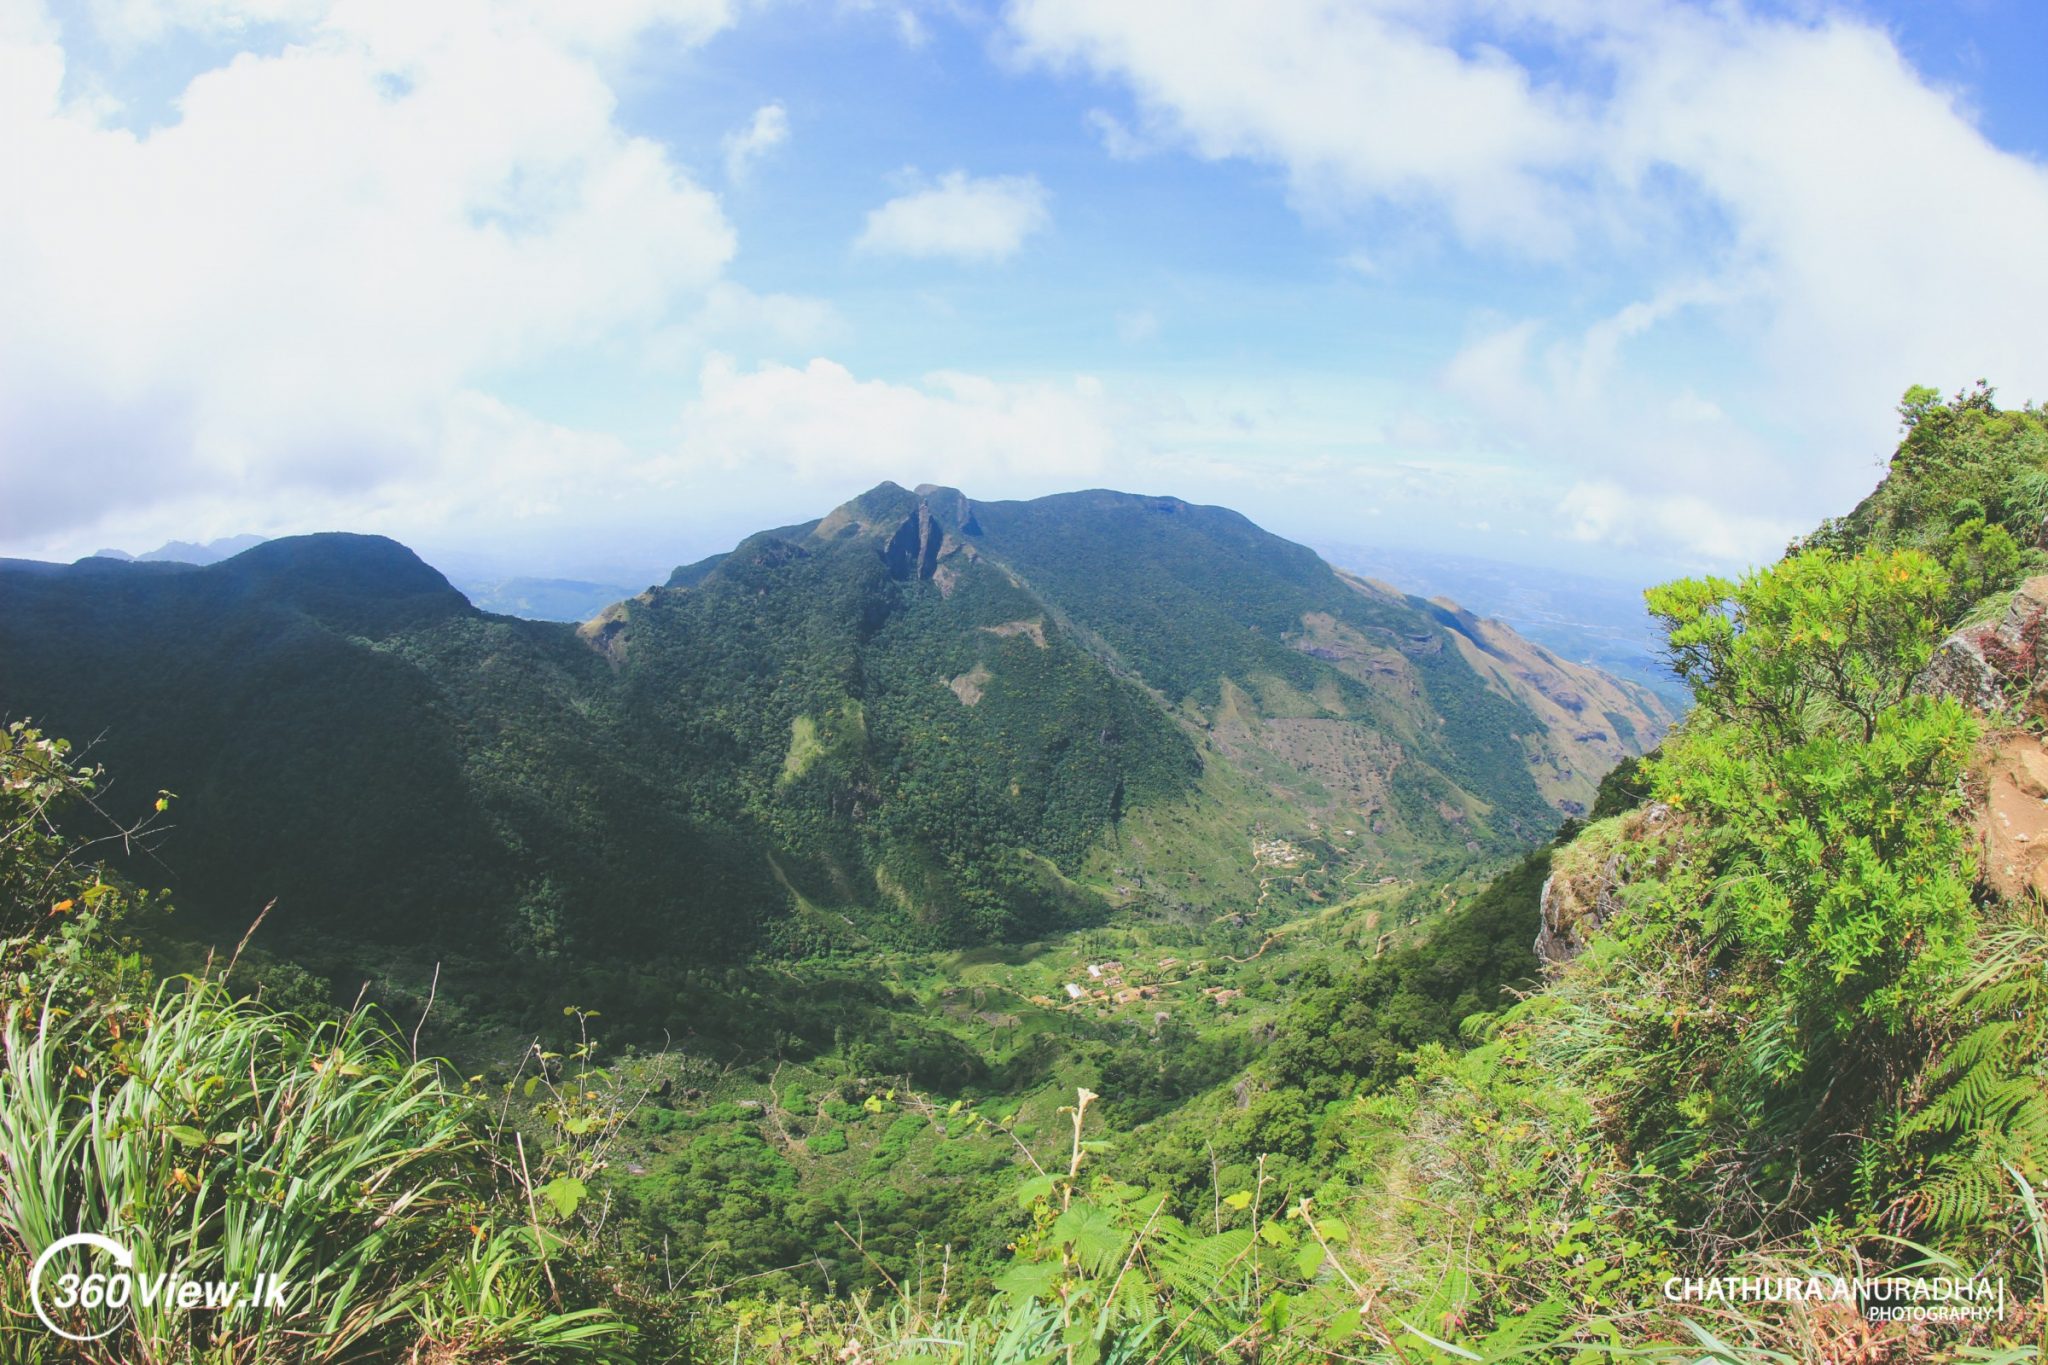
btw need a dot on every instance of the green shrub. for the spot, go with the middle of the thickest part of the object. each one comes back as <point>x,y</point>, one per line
<point>223,1139</point>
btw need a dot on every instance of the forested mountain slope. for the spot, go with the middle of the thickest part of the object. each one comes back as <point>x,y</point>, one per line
<point>1787,1025</point>
<point>920,719</point>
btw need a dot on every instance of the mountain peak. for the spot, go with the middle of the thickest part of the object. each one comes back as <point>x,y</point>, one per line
<point>951,506</point>
<point>876,512</point>
<point>348,551</point>
<point>362,583</point>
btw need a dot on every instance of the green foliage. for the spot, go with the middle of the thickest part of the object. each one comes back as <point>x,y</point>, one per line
<point>1981,559</point>
<point>733,1200</point>
<point>1959,460</point>
<point>1109,1271</point>
<point>1793,650</point>
<point>1149,1075</point>
<point>1918,403</point>
<point>825,741</point>
<point>1796,1037</point>
<point>344,1167</point>
<point>1982,1122</point>
<point>1783,944</point>
<point>1830,792</point>
<point>61,913</point>
<point>219,1138</point>
<point>1626,786</point>
<point>1358,1030</point>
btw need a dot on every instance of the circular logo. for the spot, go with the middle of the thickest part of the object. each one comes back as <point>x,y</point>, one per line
<point>92,1292</point>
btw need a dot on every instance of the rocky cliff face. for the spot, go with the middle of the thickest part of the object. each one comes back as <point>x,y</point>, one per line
<point>924,536</point>
<point>1998,668</point>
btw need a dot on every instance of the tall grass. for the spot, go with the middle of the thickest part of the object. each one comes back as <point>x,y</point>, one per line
<point>226,1141</point>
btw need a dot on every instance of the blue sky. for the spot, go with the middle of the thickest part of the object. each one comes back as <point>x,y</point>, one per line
<point>1621,287</point>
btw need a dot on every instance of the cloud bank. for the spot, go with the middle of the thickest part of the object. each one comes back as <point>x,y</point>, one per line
<point>277,263</point>
<point>1808,225</point>
<point>298,284</point>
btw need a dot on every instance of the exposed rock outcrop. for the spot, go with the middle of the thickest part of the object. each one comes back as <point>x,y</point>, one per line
<point>2000,668</point>
<point>924,543</point>
<point>1998,665</point>
<point>969,686</point>
<point>951,505</point>
<point>913,552</point>
<point>606,631</point>
<point>1033,628</point>
<point>1582,892</point>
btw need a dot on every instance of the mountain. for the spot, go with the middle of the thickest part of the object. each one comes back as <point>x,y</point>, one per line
<point>918,719</point>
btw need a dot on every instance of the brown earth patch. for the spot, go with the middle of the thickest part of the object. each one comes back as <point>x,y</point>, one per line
<point>2012,820</point>
<point>1035,628</point>
<point>968,686</point>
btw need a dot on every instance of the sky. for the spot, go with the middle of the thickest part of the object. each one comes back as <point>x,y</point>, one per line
<point>1626,287</point>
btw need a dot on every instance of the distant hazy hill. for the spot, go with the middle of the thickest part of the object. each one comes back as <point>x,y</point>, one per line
<point>919,718</point>
<point>187,552</point>
<point>544,599</point>
<point>1600,621</point>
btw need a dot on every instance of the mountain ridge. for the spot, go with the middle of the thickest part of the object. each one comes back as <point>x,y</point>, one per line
<point>919,718</point>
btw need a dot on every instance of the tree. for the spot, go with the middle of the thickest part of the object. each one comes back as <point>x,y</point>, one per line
<point>1809,646</point>
<point>1827,787</point>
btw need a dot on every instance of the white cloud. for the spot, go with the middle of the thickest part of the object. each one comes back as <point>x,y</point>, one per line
<point>495,470</point>
<point>1634,444</point>
<point>912,19</point>
<point>340,240</point>
<point>734,317</point>
<point>1606,512</point>
<point>1879,238</point>
<point>767,130</point>
<point>755,446</point>
<point>822,425</point>
<point>1807,224</point>
<point>1356,103</point>
<point>130,23</point>
<point>963,217</point>
<point>910,29</point>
